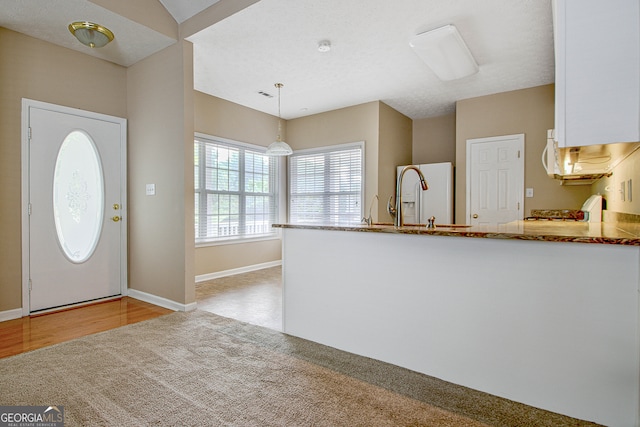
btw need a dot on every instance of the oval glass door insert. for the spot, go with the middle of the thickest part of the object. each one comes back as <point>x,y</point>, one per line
<point>78,196</point>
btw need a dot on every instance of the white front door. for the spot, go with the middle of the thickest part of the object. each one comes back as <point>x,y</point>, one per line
<point>75,237</point>
<point>495,180</point>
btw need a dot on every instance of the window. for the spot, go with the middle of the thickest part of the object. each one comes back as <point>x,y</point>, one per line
<point>235,190</point>
<point>325,185</point>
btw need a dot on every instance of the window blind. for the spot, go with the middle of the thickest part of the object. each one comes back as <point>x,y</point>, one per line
<point>235,190</point>
<point>326,185</point>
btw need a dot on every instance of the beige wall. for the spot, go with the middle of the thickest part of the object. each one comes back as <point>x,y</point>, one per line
<point>395,135</point>
<point>529,111</point>
<point>217,117</point>
<point>221,258</point>
<point>156,97</point>
<point>387,136</point>
<point>161,241</point>
<point>628,169</point>
<point>434,140</point>
<point>34,69</point>
<point>352,124</point>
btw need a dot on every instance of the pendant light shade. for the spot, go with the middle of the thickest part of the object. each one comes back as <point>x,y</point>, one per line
<point>279,147</point>
<point>90,34</point>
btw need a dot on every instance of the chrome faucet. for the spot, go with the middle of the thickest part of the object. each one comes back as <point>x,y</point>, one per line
<point>397,211</point>
<point>369,220</point>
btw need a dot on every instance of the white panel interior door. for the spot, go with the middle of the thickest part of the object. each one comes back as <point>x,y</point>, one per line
<point>495,180</point>
<point>76,228</point>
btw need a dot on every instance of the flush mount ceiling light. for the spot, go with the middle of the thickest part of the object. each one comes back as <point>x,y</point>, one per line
<point>279,147</point>
<point>90,34</point>
<point>445,52</point>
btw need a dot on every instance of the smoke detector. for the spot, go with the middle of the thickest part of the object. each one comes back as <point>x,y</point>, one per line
<point>324,46</point>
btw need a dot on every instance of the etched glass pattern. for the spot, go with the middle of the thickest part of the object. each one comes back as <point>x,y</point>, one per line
<point>78,197</point>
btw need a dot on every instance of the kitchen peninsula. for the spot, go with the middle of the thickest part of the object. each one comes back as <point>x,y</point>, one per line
<point>544,313</point>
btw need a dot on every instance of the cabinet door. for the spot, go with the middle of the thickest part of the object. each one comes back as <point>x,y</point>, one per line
<point>597,71</point>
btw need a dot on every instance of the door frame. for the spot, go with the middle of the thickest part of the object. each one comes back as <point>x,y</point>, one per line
<point>520,140</point>
<point>27,104</point>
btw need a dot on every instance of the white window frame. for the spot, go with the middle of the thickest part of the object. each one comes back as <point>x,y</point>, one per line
<point>226,240</point>
<point>328,149</point>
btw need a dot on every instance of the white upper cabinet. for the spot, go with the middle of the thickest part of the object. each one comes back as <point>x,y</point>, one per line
<point>597,48</point>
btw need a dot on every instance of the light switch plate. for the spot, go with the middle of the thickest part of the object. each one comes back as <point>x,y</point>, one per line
<point>529,192</point>
<point>151,189</point>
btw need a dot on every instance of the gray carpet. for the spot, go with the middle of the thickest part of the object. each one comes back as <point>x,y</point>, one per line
<point>200,369</point>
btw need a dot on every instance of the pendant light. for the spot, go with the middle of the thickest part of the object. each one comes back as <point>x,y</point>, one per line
<point>90,34</point>
<point>279,147</point>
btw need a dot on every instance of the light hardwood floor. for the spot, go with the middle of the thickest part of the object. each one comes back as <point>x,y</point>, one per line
<point>254,297</point>
<point>29,333</point>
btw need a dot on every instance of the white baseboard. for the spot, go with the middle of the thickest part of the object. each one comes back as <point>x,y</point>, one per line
<point>16,313</point>
<point>162,302</point>
<point>234,271</point>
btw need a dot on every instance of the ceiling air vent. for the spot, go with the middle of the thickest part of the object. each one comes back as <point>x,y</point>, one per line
<point>263,93</point>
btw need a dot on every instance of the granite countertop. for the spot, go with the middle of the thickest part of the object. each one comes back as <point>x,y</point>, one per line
<point>549,231</point>
<point>557,214</point>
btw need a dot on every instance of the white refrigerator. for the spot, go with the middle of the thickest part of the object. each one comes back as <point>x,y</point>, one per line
<point>417,205</point>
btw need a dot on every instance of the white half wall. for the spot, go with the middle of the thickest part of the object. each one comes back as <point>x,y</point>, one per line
<point>553,325</point>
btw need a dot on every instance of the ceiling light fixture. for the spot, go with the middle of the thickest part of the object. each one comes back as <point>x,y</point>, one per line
<point>90,34</point>
<point>279,147</point>
<point>445,52</point>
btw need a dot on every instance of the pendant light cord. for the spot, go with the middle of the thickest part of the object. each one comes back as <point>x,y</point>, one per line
<point>279,85</point>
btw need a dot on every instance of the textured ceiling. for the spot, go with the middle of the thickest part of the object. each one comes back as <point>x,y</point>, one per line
<point>48,20</point>
<point>276,41</point>
<point>181,10</point>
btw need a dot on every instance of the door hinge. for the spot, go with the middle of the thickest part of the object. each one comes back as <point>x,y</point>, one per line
<point>518,205</point>
<point>29,133</point>
<point>29,209</point>
<point>30,285</point>
<point>518,153</point>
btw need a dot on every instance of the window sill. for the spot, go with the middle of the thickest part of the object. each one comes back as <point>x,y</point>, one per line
<point>236,241</point>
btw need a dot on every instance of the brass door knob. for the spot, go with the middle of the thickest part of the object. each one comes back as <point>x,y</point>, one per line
<point>475,216</point>
<point>116,218</point>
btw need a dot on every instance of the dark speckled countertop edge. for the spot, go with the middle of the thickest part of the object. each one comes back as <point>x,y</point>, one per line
<point>572,232</point>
